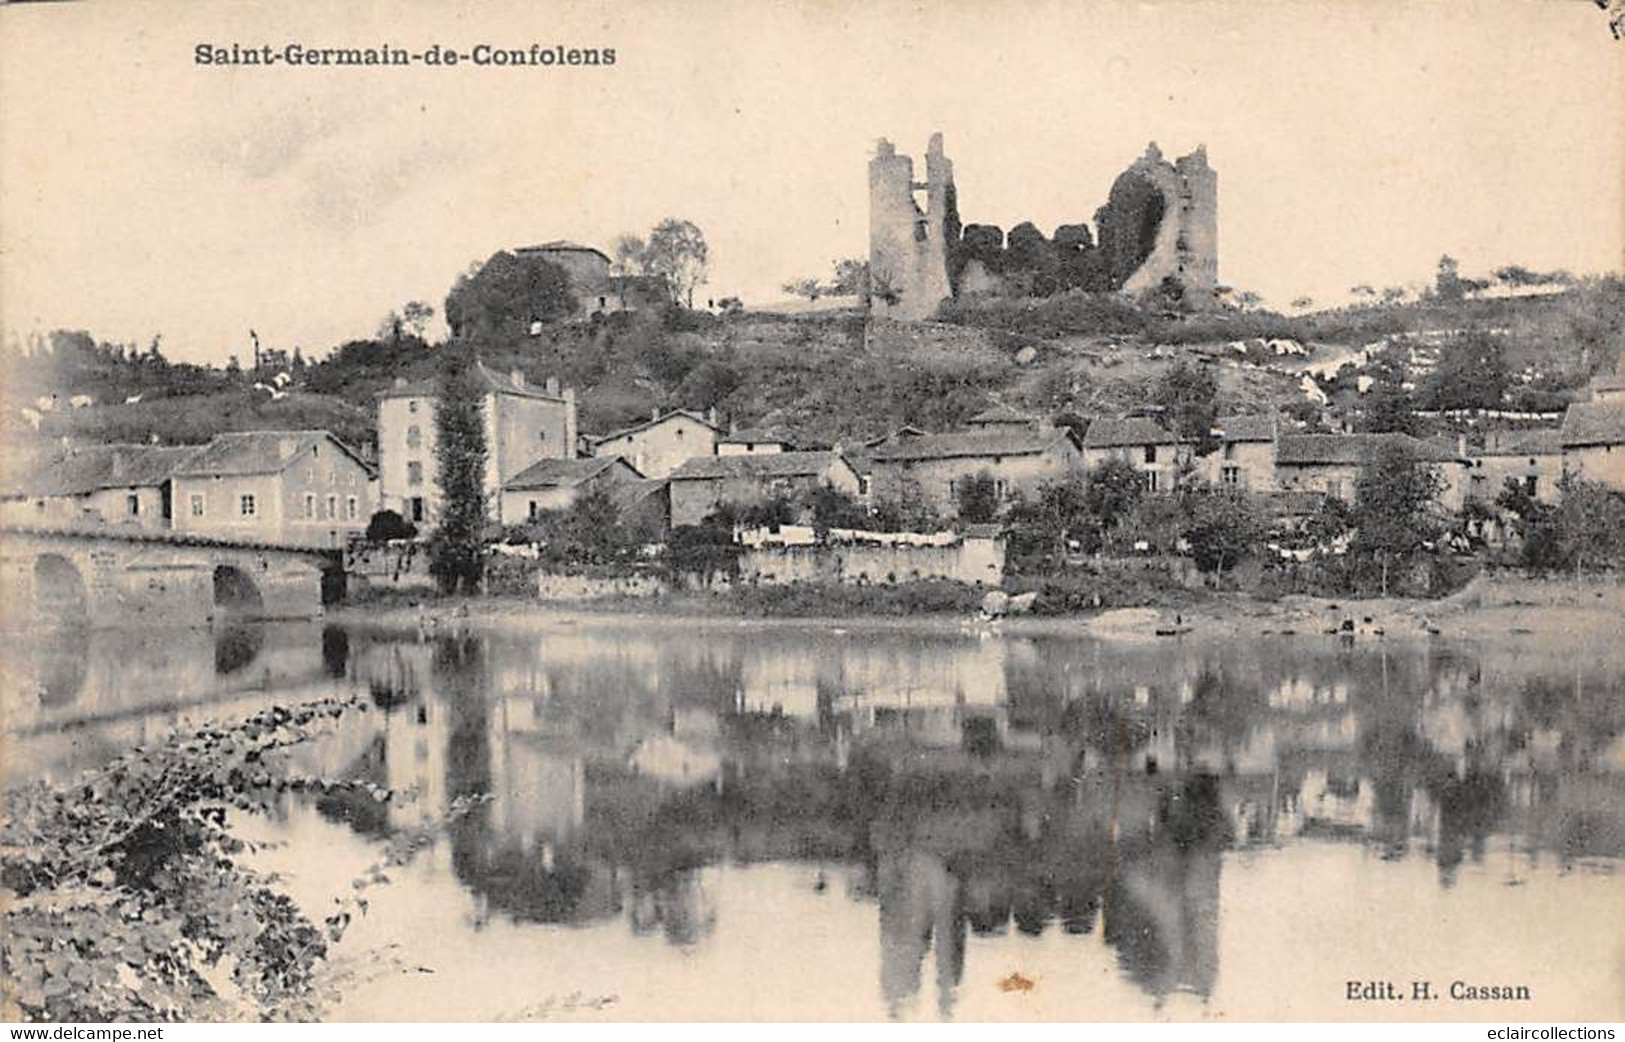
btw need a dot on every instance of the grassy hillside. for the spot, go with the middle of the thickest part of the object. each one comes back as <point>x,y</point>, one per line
<point>831,375</point>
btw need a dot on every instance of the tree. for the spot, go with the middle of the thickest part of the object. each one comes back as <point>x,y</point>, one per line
<point>1221,527</point>
<point>1247,300</point>
<point>416,315</point>
<point>1302,303</point>
<point>829,507</point>
<point>1388,409</point>
<point>976,498</point>
<point>502,297</point>
<point>677,252</point>
<point>1395,508</point>
<point>851,278</point>
<point>903,507</point>
<point>456,550</point>
<point>1042,530</point>
<point>1471,374</point>
<point>1364,291</point>
<point>708,383</point>
<point>1590,520</point>
<point>1447,285</point>
<point>1112,490</point>
<point>386,525</point>
<point>588,531</point>
<point>627,255</point>
<point>810,288</point>
<point>1393,294</point>
<point>1189,396</point>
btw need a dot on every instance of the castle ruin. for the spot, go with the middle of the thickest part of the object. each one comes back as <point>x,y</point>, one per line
<point>1157,232</point>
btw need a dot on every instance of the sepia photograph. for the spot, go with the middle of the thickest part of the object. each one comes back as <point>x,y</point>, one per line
<point>813,511</point>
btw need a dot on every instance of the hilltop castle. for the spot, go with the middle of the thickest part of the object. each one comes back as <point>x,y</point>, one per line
<point>1157,231</point>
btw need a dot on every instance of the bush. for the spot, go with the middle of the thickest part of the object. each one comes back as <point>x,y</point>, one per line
<point>387,524</point>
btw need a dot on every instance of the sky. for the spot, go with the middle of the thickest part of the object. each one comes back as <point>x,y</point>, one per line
<point>1355,142</point>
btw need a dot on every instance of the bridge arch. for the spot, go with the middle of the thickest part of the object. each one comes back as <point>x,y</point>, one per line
<point>60,597</point>
<point>236,594</point>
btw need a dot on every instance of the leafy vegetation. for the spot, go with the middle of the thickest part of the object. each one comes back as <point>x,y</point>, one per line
<point>456,549</point>
<point>126,896</point>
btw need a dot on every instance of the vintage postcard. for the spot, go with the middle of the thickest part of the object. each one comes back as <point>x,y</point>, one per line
<point>813,511</point>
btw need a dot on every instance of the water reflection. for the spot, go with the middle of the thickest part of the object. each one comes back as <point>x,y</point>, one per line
<point>969,790</point>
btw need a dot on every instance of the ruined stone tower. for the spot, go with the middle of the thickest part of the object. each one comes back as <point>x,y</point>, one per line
<point>1162,220</point>
<point>909,245</point>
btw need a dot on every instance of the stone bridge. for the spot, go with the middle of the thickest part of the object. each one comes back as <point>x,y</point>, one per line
<point>104,576</point>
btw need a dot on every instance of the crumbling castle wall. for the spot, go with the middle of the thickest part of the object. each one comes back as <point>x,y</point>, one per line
<point>909,244</point>
<point>1160,223</point>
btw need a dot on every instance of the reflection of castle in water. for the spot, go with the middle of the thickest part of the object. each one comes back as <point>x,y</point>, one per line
<point>980,786</point>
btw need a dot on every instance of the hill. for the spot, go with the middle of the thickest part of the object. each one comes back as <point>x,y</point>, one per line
<point>830,375</point>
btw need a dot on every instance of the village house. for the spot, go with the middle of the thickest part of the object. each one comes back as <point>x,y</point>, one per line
<point>1608,387</point>
<point>296,488</point>
<point>523,423</point>
<point>1331,463</point>
<point>757,441</point>
<point>1245,457</point>
<point>101,484</point>
<point>595,289</point>
<point>703,483</point>
<point>663,442</point>
<point>1019,459</point>
<point>1002,417</point>
<point>1141,442</point>
<point>1533,459</point>
<point>1593,440</point>
<point>556,484</point>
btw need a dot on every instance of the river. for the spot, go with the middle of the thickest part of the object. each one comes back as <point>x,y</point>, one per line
<point>726,820</point>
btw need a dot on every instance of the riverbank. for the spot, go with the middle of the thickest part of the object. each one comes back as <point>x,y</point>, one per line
<point>1562,611</point>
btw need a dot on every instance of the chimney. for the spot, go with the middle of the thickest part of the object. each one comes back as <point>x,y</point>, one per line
<point>654,413</point>
<point>571,434</point>
<point>553,386</point>
<point>517,378</point>
<point>711,415</point>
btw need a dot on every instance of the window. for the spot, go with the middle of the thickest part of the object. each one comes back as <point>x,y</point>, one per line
<point>1230,475</point>
<point>1151,478</point>
<point>350,508</point>
<point>863,484</point>
<point>245,505</point>
<point>1529,485</point>
<point>132,505</point>
<point>541,435</point>
<point>197,504</point>
<point>414,473</point>
<point>414,436</point>
<point>1229,450</point>
<point>412,405</point>
<point>332,507</point>
<point>1151,454</point>
<point>310,506</point>
<point>416,509</point>
<point>533,510</point>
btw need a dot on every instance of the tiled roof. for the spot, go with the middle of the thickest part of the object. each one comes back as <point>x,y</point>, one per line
<point>1351,449</point>
<point>628,495</point>
<point>491,382</point>
<point>563,473</point>
<point>1000,414</point>
<point>759,436</point>
<point>1247,428</point>
<point>772,465</point>
<point>257,452</point>
<point>81,471</point>
<point>1108,433</point>
<point>599,439</point>
<point>1544,442</point>
<point>1594,423</point>
<point>562,246</point>
<point>968,443</point>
